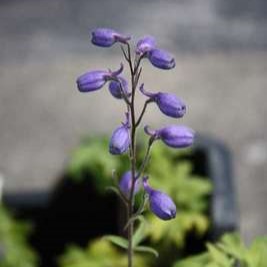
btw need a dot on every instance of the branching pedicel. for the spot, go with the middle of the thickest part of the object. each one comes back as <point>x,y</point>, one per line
<point>124,137</point>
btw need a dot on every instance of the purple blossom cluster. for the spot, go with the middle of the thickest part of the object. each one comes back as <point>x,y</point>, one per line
<point>175,136</point>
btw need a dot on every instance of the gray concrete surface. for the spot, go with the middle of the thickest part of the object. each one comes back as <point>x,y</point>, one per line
<point>220,48</point>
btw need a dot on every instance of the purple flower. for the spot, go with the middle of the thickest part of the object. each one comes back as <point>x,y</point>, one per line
<point>107,37</point>
<point>160,203</point>
<point>177,136</point>
<point>168,103</point>
<point>126,183</point>
<point>145,45</point>
<point>120,139</point>
<point>161,59</point>
<point>115,87</point>
<point>94,80</point>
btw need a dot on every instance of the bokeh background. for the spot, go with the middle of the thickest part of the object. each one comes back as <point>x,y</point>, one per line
<point>220,48</point>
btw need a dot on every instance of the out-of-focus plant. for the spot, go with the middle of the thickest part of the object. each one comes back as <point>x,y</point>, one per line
<point>14,248</point>
<point>99,253</point>
<point>230,252</point>
<point>92,157</point>
<point>173,173</point>
<point>171,170</point>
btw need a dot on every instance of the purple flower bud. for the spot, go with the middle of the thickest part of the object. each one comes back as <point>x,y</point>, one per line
<point>160,203</point>
<point>94,80</point>
<point>115,88</point>
<point>145,45</point>
<point>126,183</point>
<point>161,59</point>
<point>120,139</point>
<point>107,37</point>
<point>168,103</point>
<point>177,136</point>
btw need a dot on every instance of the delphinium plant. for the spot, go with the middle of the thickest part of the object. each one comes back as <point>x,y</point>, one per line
<point>123,139</point>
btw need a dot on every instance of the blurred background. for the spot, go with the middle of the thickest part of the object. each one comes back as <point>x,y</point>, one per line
<point>220,49</point>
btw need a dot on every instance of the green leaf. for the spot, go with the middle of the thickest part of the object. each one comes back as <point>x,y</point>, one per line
<point>117,240</point>
<point>139,234</point>
<point>98,253</point>
<point>194,261</point>
<point>256,254</point>
<point>132,219</point>
<point>231,244</point>
<point>147,250</point>
<point>218,256</point>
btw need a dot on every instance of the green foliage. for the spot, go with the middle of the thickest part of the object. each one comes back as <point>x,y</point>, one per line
<point>172,173</point>
<point>13,242</point>
<point>169,170</point>
<point>138,237</point>
<point>230,252</point>
<point>139,233</point>
<point>146,249</point>
<point>117,240</point>
<point>92,157</point>
<point>100,253</point>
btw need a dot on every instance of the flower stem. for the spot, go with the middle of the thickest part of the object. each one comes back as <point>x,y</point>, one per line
<point>135,71</point>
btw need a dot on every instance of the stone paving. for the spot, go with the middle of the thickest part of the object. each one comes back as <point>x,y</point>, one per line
<point>220,49</point>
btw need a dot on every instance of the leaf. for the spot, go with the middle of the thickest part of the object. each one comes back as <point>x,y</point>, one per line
<point>194,261</point>
<point>139,234</point>
<point>132,219</point>
<point>147,250</point>
<point>98,253</point>
<point>117,240</point>
<point>256,254</point>
<point>218,256</point>
<point>232,245</point>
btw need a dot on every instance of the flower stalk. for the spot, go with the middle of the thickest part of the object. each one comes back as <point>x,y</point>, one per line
<point>123,138</point>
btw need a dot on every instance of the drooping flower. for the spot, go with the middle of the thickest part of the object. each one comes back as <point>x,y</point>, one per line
<point>116,87</point>
<point>126,183</point>
<point>176,136</point>
<point>160,203</point>
<point>161,59</point>
<point>120,139</point>
<point>107,37</point>
<point>145,45</point>
<point>168,103</point>
<point>94,80</point>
